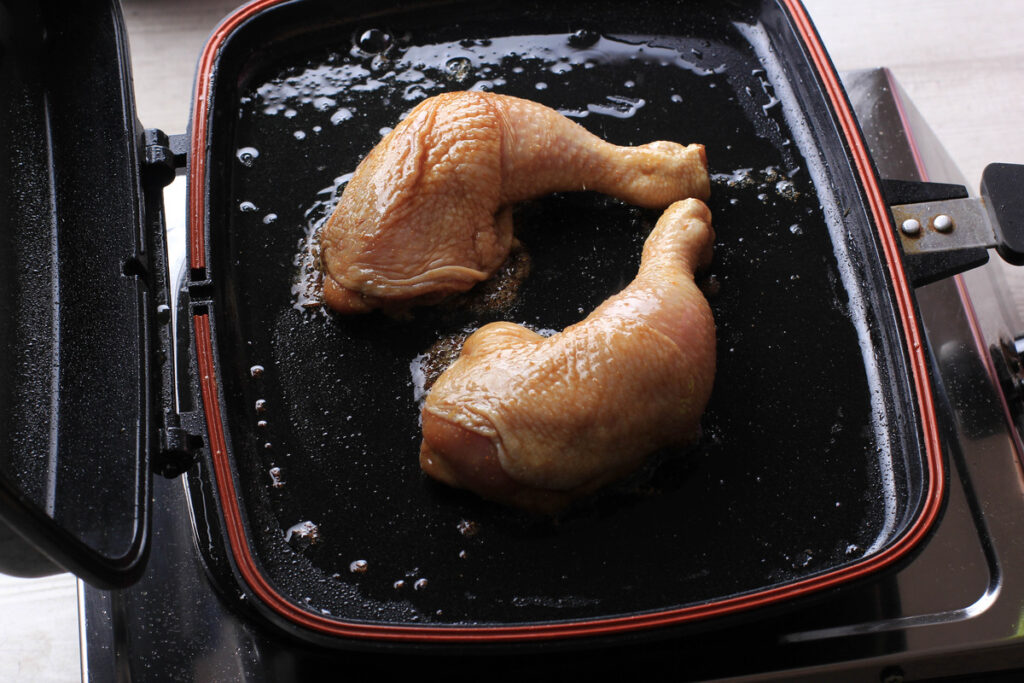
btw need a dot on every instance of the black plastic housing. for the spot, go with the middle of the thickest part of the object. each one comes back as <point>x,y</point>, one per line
<point>1002,185</point>
<point>76,321</point>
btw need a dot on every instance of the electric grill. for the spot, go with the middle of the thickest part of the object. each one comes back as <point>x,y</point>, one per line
<point>827,450</point>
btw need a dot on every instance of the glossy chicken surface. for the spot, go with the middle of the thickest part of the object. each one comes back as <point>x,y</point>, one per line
<point>428,212</point>
<point>537,422</point>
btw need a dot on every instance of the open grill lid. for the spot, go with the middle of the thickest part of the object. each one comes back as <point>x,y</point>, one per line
<point>78,313</point>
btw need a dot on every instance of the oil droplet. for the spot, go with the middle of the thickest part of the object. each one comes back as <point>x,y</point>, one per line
<point>420,584</point>
<point>299,135</point>
<point>261,405</point>
<point>398,584</point>
<point>676,98</point>
<point>359,567</point>
<point>256,371</point>
<point>374,41</point>
<point>303,535</point>
<point>796,229</point>
<point>342,114</point>
<point>541,85</point>
<point>786,189</point>
<point>462,555</point>
<point>247,155</point>
<point>269,218</point>
<point>275,477</point>
<point>468,528</point>
<point>803,559</point>
<point>583,38</point>
<point>247,207</point>
<point>458,67</point>
<point>262,424</point>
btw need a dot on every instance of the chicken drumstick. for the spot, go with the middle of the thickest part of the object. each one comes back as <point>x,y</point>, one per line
<point>427,212</point>
<point>536,422</point>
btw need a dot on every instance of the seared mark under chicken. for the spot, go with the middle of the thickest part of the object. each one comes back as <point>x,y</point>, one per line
<point>428,212</point>
<point>536,422</point>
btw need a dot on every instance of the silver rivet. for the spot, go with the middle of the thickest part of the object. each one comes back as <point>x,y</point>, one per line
<point>911,226</point>
<point>943,223</point>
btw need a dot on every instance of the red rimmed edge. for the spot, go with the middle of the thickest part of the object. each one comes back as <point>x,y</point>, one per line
<point>200,124</point>
<point>234,525</point>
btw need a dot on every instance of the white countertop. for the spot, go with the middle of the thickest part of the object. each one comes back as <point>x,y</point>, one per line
<point>961,63</point>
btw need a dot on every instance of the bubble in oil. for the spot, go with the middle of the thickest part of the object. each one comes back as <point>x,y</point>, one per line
<point>560,68</point>
<point>269,218</point>
<point>803,559</point>
<point>343,114</point>
<point>247,155</point>
<point>303,535</point>
<point>786,189</point>
<point>276,480</point>
<point>374,41</point>
<point>468,528</point>
<point>458,68</point>
<point>583,38</point>
<point>616,106</point>
<point>247,207</point>
<point>324,103</point>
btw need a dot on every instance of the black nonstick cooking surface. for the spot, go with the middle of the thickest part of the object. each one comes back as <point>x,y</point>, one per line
<point>810,457</point>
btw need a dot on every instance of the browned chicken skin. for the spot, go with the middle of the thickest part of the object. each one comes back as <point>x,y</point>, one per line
<point>536,422</point>
<point>428,212</point>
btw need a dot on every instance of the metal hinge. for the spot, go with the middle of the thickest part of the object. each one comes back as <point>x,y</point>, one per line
<point>945,225</point>
<point>944,232</point>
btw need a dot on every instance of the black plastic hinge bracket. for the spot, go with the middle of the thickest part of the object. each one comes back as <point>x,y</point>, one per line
<point>164,156</point>
<point>158,163</point>
<point>179,448</point>
<point>176,447</point>
<point>178,145</point>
